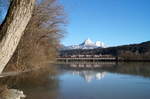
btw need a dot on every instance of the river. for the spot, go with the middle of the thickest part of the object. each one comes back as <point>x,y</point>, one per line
<point>75,81</point>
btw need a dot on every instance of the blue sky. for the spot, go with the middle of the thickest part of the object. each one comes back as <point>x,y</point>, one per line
<point>114,22</point>
<point>3,9</point>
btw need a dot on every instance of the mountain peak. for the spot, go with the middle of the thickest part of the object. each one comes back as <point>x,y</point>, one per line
<point>87,44</point>
<point>98,43</point>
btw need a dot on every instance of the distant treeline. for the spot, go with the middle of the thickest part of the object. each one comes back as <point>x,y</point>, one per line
<point>127,52</point>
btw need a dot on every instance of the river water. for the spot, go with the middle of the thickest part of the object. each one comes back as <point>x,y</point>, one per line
<point>83,81</point>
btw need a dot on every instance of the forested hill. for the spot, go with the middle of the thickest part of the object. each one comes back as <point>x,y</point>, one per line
<point>139,51</point>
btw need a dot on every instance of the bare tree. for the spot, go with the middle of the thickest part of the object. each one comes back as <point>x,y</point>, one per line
<point>38,46</point>
<point>12,28</point>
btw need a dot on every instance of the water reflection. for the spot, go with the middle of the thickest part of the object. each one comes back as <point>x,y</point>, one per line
<point>88,75</point>
<point>35,85</point>
<point>131,68</point>
<point>117,81</point>
<point>69,81</point>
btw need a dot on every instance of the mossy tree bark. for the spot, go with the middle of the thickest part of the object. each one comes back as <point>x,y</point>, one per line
<point>11,30</point>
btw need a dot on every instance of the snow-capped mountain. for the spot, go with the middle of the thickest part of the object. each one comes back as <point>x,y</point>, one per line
<point>87,44</point>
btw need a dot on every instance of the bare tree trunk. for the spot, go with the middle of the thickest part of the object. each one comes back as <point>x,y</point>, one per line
<point>12,29</point>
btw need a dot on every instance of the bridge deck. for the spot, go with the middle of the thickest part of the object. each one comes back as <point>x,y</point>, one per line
<point>87,59</point>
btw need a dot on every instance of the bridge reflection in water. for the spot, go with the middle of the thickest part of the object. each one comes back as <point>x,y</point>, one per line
<point>97,70</point>
<point>87,70</point>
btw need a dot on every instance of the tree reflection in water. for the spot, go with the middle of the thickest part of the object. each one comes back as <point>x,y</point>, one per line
<point>37,84</point>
